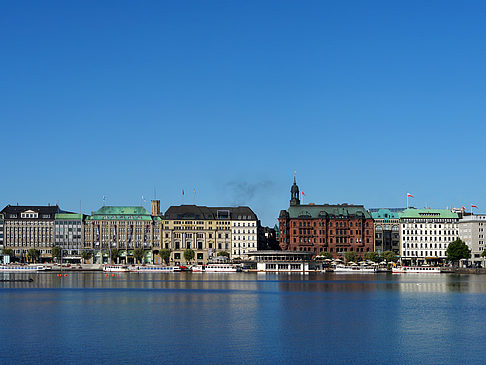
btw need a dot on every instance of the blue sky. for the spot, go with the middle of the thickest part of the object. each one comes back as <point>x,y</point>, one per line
<point>365,100</point>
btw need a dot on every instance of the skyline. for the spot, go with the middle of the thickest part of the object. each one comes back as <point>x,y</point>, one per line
<point>366,101</point>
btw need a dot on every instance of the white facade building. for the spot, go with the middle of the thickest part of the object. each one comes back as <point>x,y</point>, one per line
<point>244,236</point>
<point>472,232</point>
<point>426,234</point>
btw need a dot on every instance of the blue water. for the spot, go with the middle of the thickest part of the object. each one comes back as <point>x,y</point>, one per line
<point>243,318</point>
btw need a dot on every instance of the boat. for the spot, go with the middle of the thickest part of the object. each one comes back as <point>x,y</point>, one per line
<point>22,268</point>
<point>155,269</point>
<point>415,270</point>
<point>216,268</point>
<point>116,268</point>
<point>354,269</point>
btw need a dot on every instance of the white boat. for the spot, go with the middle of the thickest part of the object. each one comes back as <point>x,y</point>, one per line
<point>416,270</point>
<point>115,268</point>
<point>216,268</point>
<point>354,269</point>
<point>22,268</point>
<point>155,269</point>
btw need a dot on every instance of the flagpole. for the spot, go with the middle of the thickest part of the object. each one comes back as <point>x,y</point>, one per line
<point>407,200</point>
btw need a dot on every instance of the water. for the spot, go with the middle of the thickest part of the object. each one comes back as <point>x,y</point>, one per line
<point>243,318</point>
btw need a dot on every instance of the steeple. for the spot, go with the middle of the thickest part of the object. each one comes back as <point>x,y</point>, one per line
<point>294,194</point>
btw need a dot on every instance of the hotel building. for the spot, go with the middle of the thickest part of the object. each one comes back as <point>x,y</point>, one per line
<point>387,230</point>
<point>425,234</point>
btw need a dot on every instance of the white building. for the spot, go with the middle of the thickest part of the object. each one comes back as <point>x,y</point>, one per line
<point>425,235</point>
<point>244,234</point>
<point>471,231</point>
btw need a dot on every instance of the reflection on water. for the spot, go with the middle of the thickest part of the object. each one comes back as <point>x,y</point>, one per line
<point>242,318</point>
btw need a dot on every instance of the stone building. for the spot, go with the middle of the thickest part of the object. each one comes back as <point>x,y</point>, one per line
<point>387,229</point>
<point>425,235</point>
<point>125,228</point>
<point>28,227</point>
<point>472,232</point>
<point>325,228</point>
<point>208,231</point>
<point>69,234</point>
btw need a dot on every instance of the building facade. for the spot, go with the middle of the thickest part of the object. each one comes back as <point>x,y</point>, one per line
<point>208,231</point>
<point>69,234</point>
<point>1,231</point>
<point>425,235</point>
<point>386,223</point>
<point>325,228</point>
<point>124,228</point>
<point>472,232</point>
<point>27,227</point>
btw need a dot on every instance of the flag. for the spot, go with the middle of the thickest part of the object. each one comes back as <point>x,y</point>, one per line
<point>303,193</point>
<point>473,206</point>
<point>182,191</point>
<point>409,195</point>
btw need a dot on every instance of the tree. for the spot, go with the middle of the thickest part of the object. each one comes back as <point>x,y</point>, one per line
<point>33,254</point>
<point>189,255</point>
<point>86,255</point>
<point>8,252</point>
<point>351,256</point>
<point>165,255</point>
<point>483,254</point>
<point>138,254</point>
<point>223,253</point>
<point>326,255</point>
<point>115,253</point>
<point>56,252</point>
<point>372,256</point>
<point>458,250</point>
<point>390,256</point>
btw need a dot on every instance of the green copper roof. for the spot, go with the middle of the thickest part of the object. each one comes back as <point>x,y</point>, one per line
<point>69,216</point>
<point>427,213</point>
<point>385,214</point>
<point>121,213</point>
<point>323,211</point>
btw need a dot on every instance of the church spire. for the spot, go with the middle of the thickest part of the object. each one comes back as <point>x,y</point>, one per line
<point>294,194</point>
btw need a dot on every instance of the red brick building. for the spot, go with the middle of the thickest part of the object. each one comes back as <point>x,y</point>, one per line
<point>325,228</point>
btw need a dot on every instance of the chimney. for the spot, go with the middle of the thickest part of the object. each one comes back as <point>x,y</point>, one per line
<point>155,207</point>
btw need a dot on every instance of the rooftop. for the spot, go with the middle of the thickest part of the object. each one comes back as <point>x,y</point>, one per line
<point>209,213</point>
<point>427,213</point>
<point>328,210</point>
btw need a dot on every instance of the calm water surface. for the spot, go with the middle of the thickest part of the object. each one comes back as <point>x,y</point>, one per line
<point>243,318</point>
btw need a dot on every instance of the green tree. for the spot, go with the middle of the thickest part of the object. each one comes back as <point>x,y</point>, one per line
<point>33,254</point>
<point>8,252</point>
<point>138,254</point>
<point>483,254</point>
<point>115,253</point>
<point>86,255</point>
<point>56,252</point>
<point>351,256</point>
<point>189,255</point>
<point>458,250</point>
<point>390,256</point>
<point>165,255</point>
<point>373,256</point>
<point>326,255</point>
<point>223,253</point>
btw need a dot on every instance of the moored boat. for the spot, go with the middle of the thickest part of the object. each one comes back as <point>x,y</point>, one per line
<point>354,269</point>
<point>156,269</point>
<point>116,268</point>
<point>416,270</point>
<point>22,268</point>
<point>216,268</point>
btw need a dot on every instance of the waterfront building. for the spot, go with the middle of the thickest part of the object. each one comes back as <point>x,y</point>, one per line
<point>1,231</point>
<point>282,261</point>
<point>472,232</point>
<point>208,231</point>
<point>386,223</point>
<point>325,228</point>
<point>69,235</point>
<point>425,235</point>
<point>124,228</point>
<point>28,227</point>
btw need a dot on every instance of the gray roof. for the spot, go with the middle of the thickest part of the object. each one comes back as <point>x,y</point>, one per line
<point>209,213</point>
<point>327,211</point>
